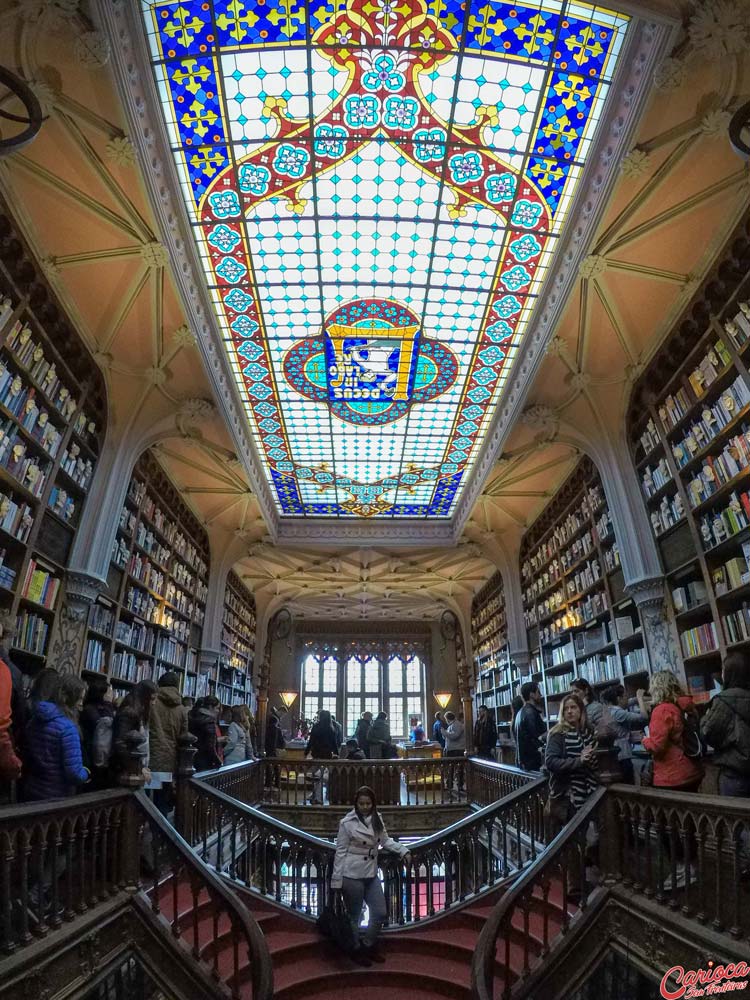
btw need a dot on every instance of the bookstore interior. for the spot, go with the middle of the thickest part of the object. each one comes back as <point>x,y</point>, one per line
<point>372,358</point>
<point>521,446</point>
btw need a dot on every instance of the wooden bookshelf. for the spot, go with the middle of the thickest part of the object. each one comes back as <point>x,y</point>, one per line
<point>579,621</point>
<point>234,670</point>
<point>493,668</point>
<point>150,618</point>
<point>689,431</point>
<point>52,419</point>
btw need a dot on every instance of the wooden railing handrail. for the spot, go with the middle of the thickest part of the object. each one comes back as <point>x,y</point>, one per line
<point>480,816</point>
<point>260,957</point>
<point>721,804</point>
<point>59,808</point>
<point>484,953</point>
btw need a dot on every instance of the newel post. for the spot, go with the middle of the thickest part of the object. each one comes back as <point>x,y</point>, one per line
<point>183,813</point>
<point>610,839</point>
<point>130,844</point>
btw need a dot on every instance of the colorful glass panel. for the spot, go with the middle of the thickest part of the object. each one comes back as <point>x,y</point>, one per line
<point>377,192</point>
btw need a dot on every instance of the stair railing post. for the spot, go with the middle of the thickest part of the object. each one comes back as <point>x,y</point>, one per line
<point>183,813</point>
<point>131,777</point>
<point>610,838</point>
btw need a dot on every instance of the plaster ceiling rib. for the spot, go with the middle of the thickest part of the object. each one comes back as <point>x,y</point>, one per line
<point>510,514</point>
<point>61,186</point>
<point>126,304</point>
<point>650,226</point>
<point>618,326</point>
<point>157,315</point>
<point>662,172</point>
<point>658,273</point>
<point>94,256</point>
<point>107,179</point>
<point>232,483</point>
<point>536,471</point>
<point>584,325</point>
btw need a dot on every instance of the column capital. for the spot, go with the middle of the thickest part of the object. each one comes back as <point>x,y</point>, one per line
<point>81,590</point>
<point>647,593</point>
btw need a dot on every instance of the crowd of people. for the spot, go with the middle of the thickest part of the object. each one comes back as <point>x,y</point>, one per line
<point>70,734</point>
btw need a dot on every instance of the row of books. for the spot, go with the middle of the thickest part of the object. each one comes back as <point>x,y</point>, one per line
<point>654,479</point>
<point>238,614</point>
<point>688,595</point>
<point>240,647</point>
<point>611,557</point>
<point>558,683</point>
<point>135,634</point>
<point>718,470</point>
<point>669,513</point>
<point>40,585</point>
<point>6,310</point>
<point>142,569</point>
<point>62,503</point>
<point>16,517</point>
<point>540,557</point>
<point>167,648</point>
<point>120,552</point>
<point>580,548</point>
<point>491,630</point>
<point>85,429</point>
<point>650,437</point>
<point>148,541</point>
<point>712,422</point>
<point>480,615</point>
<point>95,656</point>
<point>725,522</point>
<point>735,572</point>
<point>43,371</point>
<point>20,399</point>
<point>676,406</point>
<point>736,625</point>
<point>14,457</point>
<point>127,521</point>
<point>600,668</point>
<point>7,573</point>
<point>584,578</point>
<point>700,639</point>
<point>129,667</point>
<point>102,619</point>
<point>79,469</point>
<point>634,661</point>
<point>738,328</point>
<point>543,580</point>
<point>604,527</point>
<point>31,633</point>
<point>180,543</point>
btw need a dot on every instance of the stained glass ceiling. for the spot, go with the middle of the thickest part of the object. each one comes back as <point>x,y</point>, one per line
<point>377,190</point>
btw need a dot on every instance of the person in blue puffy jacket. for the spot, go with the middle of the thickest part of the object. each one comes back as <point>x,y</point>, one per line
<point>53,762</point>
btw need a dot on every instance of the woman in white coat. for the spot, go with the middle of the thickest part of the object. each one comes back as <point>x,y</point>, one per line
<point>355,870</point>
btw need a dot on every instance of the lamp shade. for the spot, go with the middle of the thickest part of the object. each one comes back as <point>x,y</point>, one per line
<point>288,698</point>
<point>442,698</point>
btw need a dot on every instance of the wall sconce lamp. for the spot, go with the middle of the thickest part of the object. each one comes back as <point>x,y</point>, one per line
<point>442,698</point>
<point>288,697</point>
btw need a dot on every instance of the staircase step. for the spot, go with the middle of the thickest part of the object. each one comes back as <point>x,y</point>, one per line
<point>397,981</point>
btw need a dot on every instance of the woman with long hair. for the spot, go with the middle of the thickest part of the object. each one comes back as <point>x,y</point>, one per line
<point>53,762</point>
<point>132,716</point>
<point>97,729</point>
<point>570,760</point>
<point>239,746</point>
<point>586,693</point>
<point>672,766</point>
<point>355,870</point>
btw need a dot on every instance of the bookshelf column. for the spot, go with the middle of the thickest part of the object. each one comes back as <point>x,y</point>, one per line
<point>650,598</point>
<point>69,637</point>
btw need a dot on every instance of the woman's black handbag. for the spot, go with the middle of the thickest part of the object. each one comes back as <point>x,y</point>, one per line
<point>335,924</point>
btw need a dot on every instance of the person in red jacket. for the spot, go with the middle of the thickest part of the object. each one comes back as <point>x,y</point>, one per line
<point>673,769</point>
<point>10,765</point>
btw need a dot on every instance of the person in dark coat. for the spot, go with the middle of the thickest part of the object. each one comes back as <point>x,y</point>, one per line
<point>97,704</point>
<point>437,730</point>
<point>53,761</point>
<point>570,761</point>
<point>274,737</point>
<point>133,716</point>
<point>726,727</point>
<point>529,726</point>
<point>202,722</point>
<point>360,733</point>
<point>323,744</point>
<point>485,734</point>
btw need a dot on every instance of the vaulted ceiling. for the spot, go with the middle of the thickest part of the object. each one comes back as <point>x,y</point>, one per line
<point>81,198</point>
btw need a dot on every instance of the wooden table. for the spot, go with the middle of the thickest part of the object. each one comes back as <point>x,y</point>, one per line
<point>429,751</point>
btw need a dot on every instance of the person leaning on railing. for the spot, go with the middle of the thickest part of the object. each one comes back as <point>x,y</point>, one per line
<point>570,760</point>
<point>355,871</point>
